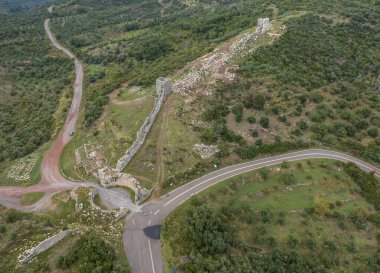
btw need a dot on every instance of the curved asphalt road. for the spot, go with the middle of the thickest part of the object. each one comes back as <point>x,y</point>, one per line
<point>141,236</point>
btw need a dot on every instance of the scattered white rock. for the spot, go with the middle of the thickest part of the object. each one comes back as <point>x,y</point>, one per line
<point>22,169</point>
<point>206,151</point>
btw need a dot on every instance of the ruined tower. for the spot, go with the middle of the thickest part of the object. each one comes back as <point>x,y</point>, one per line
<point>263,25</point>
<point>163,84</point>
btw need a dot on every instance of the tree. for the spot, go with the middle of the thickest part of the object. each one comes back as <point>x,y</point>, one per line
<point>208,230</point>
<point>92,254</point>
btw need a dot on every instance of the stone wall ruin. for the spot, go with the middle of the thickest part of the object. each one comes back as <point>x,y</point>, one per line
<point>163,88</point>
<point>41,247</point>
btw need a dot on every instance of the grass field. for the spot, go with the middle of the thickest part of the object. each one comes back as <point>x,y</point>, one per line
<point>282,207</point>
<point>31,198</point>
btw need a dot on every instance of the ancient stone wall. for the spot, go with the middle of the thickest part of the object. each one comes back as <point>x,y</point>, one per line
<point>41,247</point>
<point>163,88</point>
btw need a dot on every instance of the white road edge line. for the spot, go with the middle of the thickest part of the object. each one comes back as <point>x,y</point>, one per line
<point>318,154</point>
<point>138,244</point>
<point>156,212</point>
<point>151,256</point>
<point>133,222</point>
<point>258,161</point>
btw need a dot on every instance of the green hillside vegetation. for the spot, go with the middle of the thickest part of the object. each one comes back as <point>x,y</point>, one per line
<point>315,86</point>
<point>306,216</point>
<point>319,84</point>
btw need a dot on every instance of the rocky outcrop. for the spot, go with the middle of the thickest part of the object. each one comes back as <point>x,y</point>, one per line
<point>41,247</point>
<point>163,88</point>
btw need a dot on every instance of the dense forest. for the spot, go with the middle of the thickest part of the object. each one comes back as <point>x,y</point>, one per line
<point>17,6</point>
<point>33,76</point>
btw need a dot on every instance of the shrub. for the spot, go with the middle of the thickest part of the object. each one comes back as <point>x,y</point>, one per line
<point>255,101</point>
<point>251,119</point>
<point>302,125</point>
<point>373,132</point>
<point>288,179</point>
<point>264,173</point>
<point>238,111</point>
<point>321,206</point>
<point>12,216</point>
<point>264,121</point>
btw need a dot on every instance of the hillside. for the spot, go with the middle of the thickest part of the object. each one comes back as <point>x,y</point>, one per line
<point>297,217</point>
<point>244,83</point>
<point>35,92</point>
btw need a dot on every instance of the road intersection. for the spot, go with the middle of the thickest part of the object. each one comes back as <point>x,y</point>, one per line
<point>141,236</point>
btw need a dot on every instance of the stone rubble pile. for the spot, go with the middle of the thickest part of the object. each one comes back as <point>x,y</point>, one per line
<point>206,151</point>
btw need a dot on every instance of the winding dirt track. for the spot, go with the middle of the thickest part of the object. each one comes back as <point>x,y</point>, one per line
<point>52,180</point>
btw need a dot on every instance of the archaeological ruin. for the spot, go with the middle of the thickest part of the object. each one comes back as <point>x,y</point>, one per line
<point>163,88</point>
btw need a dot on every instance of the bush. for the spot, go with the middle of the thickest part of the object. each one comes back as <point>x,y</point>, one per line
<point>288,179</point>
<point>321,206</point>
<point>238,111</point>
<point>302,125</point>
<point>264,121</point>
<point>254,101</point>
<point>251,119</point>
<point>368,183</point>
<point>12,216</point>
<point>373,132</point>
<point>264,173</point>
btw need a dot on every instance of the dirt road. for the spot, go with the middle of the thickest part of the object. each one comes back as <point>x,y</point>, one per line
<point>52,180</point>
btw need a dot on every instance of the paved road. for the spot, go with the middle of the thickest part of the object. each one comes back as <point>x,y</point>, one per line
<point>141,240</point>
